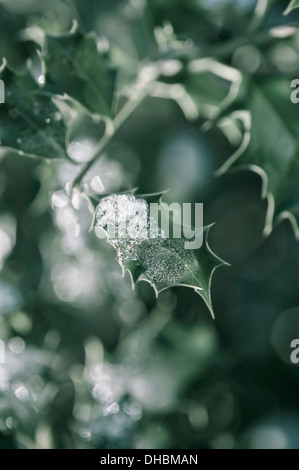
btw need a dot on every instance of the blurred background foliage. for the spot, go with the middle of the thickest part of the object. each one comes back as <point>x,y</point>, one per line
<point>91,363</point>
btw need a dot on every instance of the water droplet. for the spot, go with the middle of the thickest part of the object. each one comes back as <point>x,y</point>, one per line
<point>20,391</point>
<point>41,79</point>
<point>102,392</point>
<point>9,422</point>
<point>113,408</point>
<point>81,152</point>
<point>103,45</point>
<point>16,345</point>
<point>85,433</point>
<point>76,201</point>
<point>59,199</point>
<point>134,410</point>
<point>97,184</point>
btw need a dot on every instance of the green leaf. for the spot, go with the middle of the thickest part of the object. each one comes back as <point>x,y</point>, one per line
<point>74,65</point>
<point>29,120</point>
<point>41,125</point>
<point>292,5</point>
<point>163,262</point>
<point>270,148</point>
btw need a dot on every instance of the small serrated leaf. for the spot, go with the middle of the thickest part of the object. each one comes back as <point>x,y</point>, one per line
<point>163,262</point>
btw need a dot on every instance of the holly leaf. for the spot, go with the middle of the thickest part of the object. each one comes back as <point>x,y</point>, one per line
<point>42,125</point>
<point>163,262</point>
<point>291,6</point>
<point>270,148</point>
<point>75,66</point>
<point>29,120</point>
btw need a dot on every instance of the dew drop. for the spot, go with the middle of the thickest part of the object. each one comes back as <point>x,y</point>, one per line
<point>59,199</point>
<point>81,152</point>
<point>41,79</point>
<point>113,408</point>
<point>97,184</point>
<point>16,345</point>
<point>57,116</point>
<point>20,391</point>
<point>85,433</point>
<point>9,422</point>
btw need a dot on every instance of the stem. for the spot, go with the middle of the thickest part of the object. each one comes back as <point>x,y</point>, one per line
<point>228,47</point>
<point>260,12</point>
<point>224,50</point>
<point>128,109</point>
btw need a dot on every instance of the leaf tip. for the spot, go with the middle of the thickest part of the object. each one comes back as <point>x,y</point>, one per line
<point>3,65</point>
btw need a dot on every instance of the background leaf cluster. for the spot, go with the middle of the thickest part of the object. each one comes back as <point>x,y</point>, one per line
<point>91,363</point>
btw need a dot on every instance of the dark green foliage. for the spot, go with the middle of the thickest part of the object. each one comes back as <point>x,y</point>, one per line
<point>190,95</point>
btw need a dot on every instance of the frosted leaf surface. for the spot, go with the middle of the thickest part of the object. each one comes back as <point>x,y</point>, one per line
<point>144,251</point>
